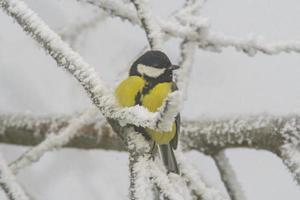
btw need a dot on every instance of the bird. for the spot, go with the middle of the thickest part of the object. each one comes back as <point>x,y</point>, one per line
<point>149,82</point>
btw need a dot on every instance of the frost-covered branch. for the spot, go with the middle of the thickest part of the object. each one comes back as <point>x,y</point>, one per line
<point>152,29</point>
<point>31,130</point>
<point>9,184</point>
<point>140,186</point>
<point>146,172</point>
<point>187,48</point>
<point>125,11</point>
<point>53,141</point>
<point>207,38</point>
<point>206,135</point>
<point>164,182</point>
<point>116,8</point>
<point>195,183</point>
<point>250,45</point>
<point>266,132</point>
<point>228,177</point>
<point>290,154</point>
<point>86,75</point>
<point>186,62</point>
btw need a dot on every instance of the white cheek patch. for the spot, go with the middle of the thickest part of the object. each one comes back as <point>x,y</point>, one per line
<point>150,71</point>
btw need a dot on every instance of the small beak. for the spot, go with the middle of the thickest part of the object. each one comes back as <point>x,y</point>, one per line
<point>174,67</point>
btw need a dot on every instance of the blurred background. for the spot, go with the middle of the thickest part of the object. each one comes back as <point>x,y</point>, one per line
<point>220,85</point>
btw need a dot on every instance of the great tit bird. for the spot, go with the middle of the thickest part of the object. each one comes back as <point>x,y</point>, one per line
<point>149,83</point>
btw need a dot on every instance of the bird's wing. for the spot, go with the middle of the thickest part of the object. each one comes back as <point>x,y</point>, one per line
<point>174,141</point>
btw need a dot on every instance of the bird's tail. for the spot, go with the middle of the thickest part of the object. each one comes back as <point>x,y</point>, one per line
<point>168,158</point>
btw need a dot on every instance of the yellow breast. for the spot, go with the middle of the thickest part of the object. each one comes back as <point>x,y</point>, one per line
<point>128,89</point>
<point>156,96</point>
<point>126,93</point>
<point>152,101</point>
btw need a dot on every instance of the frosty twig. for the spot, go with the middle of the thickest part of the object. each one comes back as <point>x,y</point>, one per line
<point>206,38</point>
<point>9,184</point>
<point>86,75</point>
<point>151,27</point>
<point>228,176</point>
<point>52,141</point>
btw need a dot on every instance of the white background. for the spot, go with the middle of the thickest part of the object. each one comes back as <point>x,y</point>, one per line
<point>220,85</point>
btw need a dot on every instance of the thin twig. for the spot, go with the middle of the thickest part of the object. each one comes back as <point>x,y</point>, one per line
<point>195,182</point>
<point>206,38</point>
<point>9,184</point>
<point>53,141</point>
<point>152,29</point>
<point>86,75</point>
<point>228,176</point>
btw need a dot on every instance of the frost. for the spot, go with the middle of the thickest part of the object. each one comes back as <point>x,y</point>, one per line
<point>291,158</point>
<point>229,177</point>
<point>53,141</point>
<point>9,184</point>
<point>196,184</point>
<point>206,38</point>
<point>278,135</point>
<point>86,75</point>
<point>152,29</point>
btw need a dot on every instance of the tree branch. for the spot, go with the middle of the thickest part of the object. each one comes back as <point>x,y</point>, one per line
<point>228,177</point>
<point>290,154</point>
<point>53,141</point>
<point>206,38</point>
<point>8,183</point>
<point>152,29</point>
<point>198,188</point>
<point>145,172</point>
<point>86,75</point>
<point>140,186</point>
<point>208,136</point>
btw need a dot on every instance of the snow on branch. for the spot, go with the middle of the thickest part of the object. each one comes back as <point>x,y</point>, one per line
<point>205,135</point>
<point>195,183</point>
<point>277,134</point>
<point>185,63</point>
<point>9,184</point>
<point>152,29</point>
<point>127,12</point>
<point>206,38</point>
<point>144,171</point>
<point>249,45</point>
<point>53,141</point>
<point>86,75</point>
<point>187,48</point>
<point>290,154</point>
<point>140,186</point>
<point>228,177</point>
<point>117,8</point>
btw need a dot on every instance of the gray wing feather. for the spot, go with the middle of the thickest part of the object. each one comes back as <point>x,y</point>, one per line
<point>168,158</point>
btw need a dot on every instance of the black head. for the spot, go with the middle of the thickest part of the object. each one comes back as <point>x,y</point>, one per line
<point>152,65</point>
